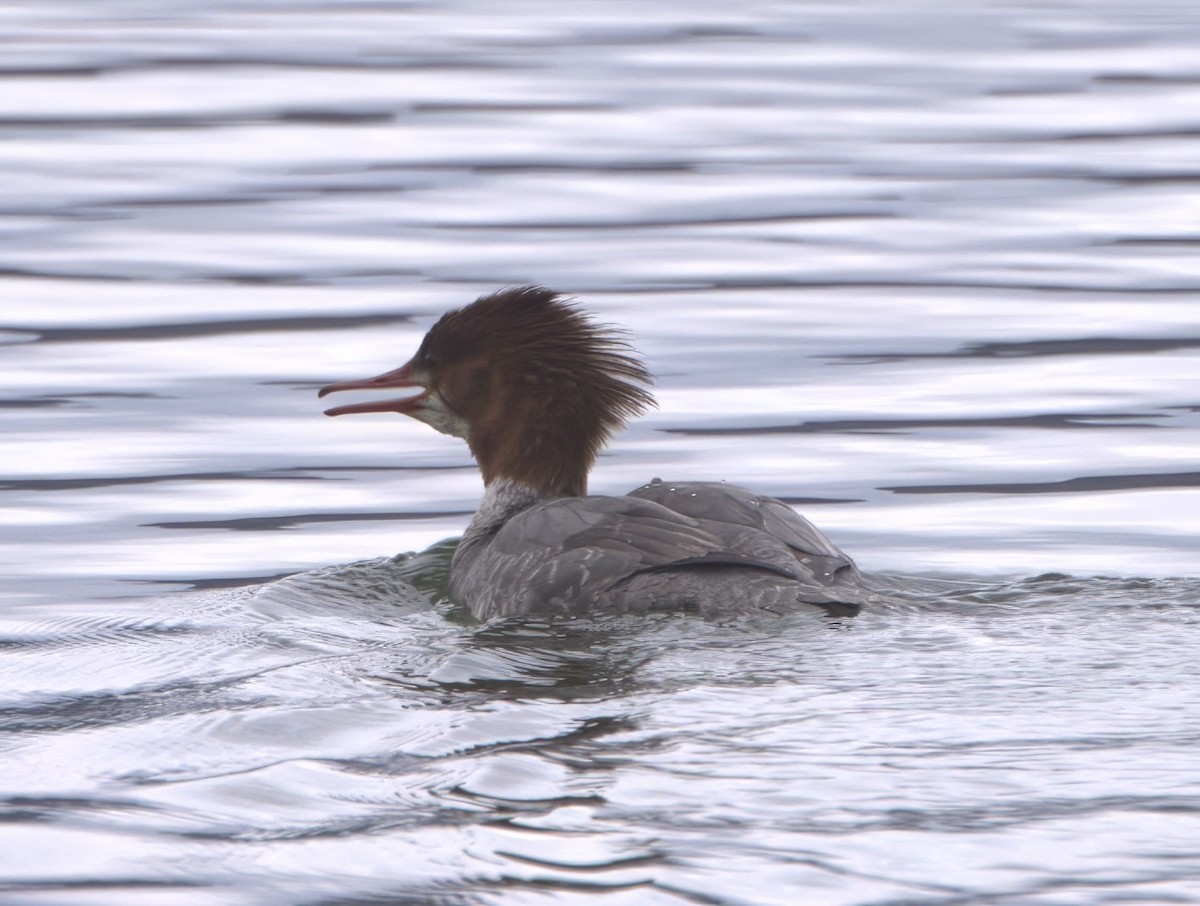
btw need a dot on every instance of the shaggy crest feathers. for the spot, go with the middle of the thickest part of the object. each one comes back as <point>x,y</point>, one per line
<point>549,385</point>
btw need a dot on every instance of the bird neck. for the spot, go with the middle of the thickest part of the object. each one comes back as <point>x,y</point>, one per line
<point>545,441</point>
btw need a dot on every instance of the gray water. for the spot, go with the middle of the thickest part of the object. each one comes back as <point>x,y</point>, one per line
<point>927,271</point>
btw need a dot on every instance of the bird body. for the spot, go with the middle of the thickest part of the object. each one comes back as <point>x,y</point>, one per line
<point>536,388</point>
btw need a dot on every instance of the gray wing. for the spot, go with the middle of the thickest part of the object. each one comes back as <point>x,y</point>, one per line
<point>564,554</point>
<point>576,553</point>
<point>760,527</point>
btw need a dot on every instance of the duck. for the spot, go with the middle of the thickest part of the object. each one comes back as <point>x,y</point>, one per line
<point>537,388</point>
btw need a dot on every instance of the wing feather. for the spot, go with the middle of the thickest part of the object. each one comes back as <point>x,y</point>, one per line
<point>566,555</point>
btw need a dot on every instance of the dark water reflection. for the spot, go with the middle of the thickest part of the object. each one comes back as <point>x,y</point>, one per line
<point>930,277</point>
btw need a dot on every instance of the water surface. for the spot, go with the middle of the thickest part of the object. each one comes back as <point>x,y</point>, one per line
<point>931,278</point>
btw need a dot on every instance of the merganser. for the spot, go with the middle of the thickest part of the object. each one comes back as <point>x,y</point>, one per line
<point>536,388</point>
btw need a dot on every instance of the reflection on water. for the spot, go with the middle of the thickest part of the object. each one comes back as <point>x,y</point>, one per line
<point>931,278</point>
<point>335,736</point>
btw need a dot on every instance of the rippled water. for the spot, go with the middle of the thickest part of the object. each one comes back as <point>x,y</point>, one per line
<point>931,276</point>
